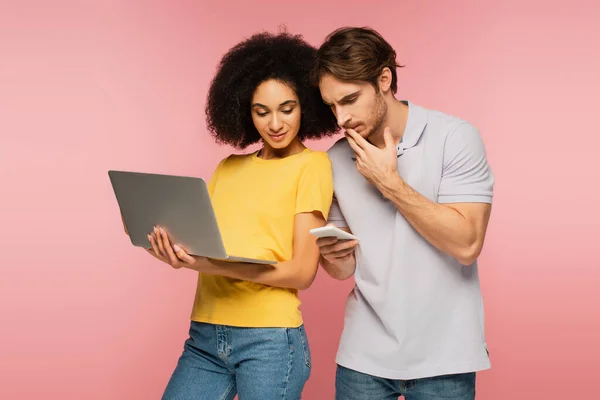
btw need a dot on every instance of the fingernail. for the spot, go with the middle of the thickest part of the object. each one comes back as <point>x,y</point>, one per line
<point>175,247</point>
<point>149,237</point>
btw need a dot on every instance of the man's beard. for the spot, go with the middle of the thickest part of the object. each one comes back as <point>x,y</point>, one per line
<point>379,114</point>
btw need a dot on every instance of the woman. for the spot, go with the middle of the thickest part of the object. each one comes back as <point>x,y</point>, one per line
<point>247,336</point>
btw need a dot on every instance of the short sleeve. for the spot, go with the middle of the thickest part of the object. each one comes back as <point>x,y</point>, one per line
<point>335,215</point>
<point>466,176</point>
<point>213,180</point>
<point>315,185</point>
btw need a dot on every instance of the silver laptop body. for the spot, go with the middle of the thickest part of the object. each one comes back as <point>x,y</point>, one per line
<point>180,204</point>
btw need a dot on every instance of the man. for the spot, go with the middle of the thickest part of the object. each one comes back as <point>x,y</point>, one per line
<point>414,185</point>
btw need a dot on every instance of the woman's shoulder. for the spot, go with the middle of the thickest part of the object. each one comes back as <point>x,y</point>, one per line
<point>317,156</point>
<point>234,159</point>
<point>316,162</point>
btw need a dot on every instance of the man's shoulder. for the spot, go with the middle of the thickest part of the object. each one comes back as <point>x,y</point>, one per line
<point>445,123</point>
<point>340,148</point>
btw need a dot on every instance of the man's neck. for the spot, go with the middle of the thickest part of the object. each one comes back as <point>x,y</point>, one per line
<point>395,119</point>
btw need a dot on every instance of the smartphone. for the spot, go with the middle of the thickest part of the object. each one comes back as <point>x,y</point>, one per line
<point>332,231</point>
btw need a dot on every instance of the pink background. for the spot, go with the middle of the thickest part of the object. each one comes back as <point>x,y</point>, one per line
<point>87,86</point>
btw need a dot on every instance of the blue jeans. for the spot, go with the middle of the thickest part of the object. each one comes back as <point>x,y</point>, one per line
<point>354,385</point>
<point>220,361</point>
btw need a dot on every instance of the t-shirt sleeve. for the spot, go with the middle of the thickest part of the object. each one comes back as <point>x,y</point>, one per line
<point>335,215</point>
<point>315,186</point>
<point>466,176</point>
<point>213,180</point>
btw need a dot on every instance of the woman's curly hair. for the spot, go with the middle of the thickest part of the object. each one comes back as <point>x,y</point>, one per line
<point>283,57</point>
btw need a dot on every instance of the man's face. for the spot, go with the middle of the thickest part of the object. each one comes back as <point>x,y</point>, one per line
<point>356,105</point>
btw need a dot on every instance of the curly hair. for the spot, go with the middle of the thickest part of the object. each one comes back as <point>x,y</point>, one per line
<point>283,57</point>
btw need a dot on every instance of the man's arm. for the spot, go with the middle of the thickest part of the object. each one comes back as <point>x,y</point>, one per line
<point>458,223</point>
<point>337,256</point>
<point>456,229</point>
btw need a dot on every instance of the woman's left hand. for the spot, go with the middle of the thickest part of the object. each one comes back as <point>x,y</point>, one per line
<point>174,255</point>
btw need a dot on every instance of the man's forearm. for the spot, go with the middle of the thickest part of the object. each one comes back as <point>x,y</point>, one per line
<point>441,225</point>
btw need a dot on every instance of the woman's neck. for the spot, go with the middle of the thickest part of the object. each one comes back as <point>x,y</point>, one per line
<point>268,152</point>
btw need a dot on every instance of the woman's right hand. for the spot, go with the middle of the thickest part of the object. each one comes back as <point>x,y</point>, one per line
<point>172,254</point>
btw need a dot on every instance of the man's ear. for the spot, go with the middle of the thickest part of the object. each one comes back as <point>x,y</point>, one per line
<point>385,80</point>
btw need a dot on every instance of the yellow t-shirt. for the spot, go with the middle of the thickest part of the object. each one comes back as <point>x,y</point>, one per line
<point>255,202</point>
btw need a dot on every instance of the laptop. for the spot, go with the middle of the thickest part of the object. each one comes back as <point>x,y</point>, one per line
<point>180,204</point>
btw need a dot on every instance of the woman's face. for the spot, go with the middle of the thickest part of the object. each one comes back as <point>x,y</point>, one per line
<point>276,113</point>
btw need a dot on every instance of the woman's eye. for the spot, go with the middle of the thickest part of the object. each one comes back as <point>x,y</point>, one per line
<point>288,111</point>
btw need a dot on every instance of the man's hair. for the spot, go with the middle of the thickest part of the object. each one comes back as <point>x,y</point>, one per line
<point>355,54</point>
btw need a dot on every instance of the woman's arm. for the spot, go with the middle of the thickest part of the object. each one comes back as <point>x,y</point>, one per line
<point>297,273</point>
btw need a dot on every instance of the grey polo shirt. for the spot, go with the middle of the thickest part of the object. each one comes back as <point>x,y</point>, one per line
<point>414,312</point>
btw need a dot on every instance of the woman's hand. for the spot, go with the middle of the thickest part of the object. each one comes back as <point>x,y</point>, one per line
<point>174,255</point>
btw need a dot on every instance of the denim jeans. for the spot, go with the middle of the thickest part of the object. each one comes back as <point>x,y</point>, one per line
<point>220,361</point>
<point>354,385</point>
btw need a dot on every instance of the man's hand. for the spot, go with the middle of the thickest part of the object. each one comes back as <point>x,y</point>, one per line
<point>376,165</point>
<point>334,250</point>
